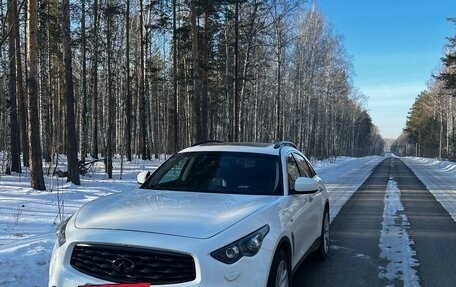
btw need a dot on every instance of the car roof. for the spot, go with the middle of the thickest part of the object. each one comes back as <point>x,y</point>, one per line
<point>260,148</point>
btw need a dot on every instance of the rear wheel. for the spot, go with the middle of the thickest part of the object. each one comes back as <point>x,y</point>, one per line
<point>280,274</point>
<point>323,249</point>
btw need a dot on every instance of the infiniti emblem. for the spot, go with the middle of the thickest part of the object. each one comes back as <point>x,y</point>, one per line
<point>123,265</point>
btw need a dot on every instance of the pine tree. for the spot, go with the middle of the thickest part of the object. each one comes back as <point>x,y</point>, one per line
<point>36,164</point>
<point>448,75</point>
<point>14,130</point>
<point>73,167</point>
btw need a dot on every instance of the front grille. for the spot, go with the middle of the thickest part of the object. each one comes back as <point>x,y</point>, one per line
<point>132,265</point>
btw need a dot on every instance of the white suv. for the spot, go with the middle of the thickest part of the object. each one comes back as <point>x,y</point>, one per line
<point>214,214</point>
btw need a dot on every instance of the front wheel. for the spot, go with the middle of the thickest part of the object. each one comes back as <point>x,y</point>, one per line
<point>280,274</point>
<point>323,249</point>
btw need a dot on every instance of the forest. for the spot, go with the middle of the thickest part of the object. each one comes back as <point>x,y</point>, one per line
<point>431,122</point>
<point>93,79</point>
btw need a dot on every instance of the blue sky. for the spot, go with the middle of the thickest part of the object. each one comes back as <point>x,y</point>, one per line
<point>396,46</point>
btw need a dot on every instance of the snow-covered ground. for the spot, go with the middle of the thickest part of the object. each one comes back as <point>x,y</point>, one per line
<point>28,218</point>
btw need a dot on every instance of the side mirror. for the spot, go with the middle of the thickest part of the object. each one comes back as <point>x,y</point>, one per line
<point>306,185</point>
<point>142,176</point>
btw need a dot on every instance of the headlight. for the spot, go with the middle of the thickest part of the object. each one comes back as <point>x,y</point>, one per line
<point>246,246</point>
<point>60,232</point>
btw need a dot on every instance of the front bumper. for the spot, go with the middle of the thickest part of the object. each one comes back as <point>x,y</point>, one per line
<point>248,271</point>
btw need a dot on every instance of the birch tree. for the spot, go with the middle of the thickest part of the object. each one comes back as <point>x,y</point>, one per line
<point>21,97</point>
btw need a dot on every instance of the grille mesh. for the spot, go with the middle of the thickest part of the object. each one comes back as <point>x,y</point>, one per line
<point>132,265</point>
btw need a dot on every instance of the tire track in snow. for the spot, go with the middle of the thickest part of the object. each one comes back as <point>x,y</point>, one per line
<point>395,242</point>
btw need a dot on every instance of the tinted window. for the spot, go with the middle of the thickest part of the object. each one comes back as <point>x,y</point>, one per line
<point>293,171</point>
<point>219,172</point>
<point>304,167</point>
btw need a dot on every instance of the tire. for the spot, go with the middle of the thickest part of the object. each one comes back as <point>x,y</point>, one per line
<point>280,274</point>
<point>323,249</point>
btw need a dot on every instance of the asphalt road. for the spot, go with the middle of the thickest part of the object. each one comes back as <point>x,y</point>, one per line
<point>423,227</point>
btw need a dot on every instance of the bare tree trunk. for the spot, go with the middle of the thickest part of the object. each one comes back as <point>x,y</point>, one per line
<point>204,77</point>
<point>83,131</point>
<point>73,167</point>
<point>229,108</point>
<point>128,103</point>
<point>175,121</point>
<point>279,132</point>
<point>22,105</point>
<point>44,82</point>
<point>12,104</point>
<point>141,91</point>
<point>251,36</point>
<point>94,152</point>
<point>110,115</point>
<point>36,164</point>
<point>236,111</point>
<point>197,83</point>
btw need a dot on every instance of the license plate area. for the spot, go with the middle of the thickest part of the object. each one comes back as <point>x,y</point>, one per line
<point>117,285</point>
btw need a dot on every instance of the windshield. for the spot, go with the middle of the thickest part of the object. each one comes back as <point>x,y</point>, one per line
<point>219,172</point>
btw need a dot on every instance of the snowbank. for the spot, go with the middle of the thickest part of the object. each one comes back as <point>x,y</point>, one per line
<point>28,218</point>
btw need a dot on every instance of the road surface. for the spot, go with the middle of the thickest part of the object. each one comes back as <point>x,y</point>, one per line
<point>392,232</point>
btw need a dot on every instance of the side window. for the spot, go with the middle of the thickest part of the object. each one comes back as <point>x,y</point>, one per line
<point>174,173</point>
<point>293,171</point>
<point>304,167</point>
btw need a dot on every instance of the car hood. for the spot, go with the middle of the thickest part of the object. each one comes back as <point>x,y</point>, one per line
<point>187,214</point>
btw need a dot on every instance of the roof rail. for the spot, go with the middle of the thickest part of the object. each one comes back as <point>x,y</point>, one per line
<point>284,143</point>
<point>206,141</point>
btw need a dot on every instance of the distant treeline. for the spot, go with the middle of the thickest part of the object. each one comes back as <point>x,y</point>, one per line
<point>431,123</point>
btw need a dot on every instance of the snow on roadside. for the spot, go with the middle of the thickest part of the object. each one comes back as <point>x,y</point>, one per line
<point>28,218</point>
<point>439,177</point>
